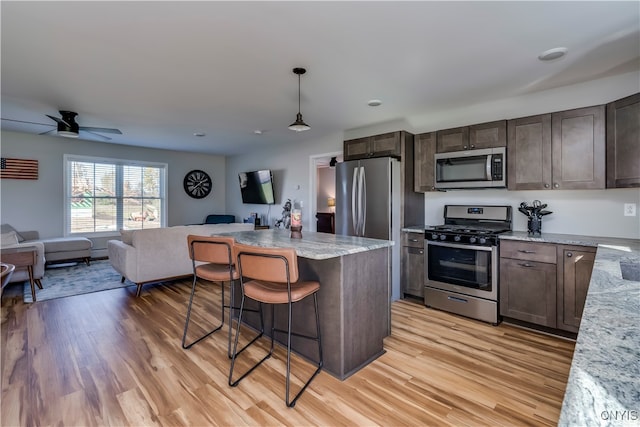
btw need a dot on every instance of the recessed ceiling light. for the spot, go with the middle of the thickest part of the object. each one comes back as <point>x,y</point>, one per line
<point>258,132</point>
<point>374,103</point>
<point>199,134</point>
<point>551,54</point>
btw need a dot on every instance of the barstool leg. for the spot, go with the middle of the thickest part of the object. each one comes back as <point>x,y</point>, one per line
<point>320,362</point>
<point>235,346</point>
<point>186,325</point>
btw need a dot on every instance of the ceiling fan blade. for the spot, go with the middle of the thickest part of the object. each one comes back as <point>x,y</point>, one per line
<point>103,130</point>
<point>106,138</point>
<point>49,131</point>
<point>58,120</point>
<point>31,123</point>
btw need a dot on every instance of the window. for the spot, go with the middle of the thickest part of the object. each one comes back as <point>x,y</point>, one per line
<point>106,195</point>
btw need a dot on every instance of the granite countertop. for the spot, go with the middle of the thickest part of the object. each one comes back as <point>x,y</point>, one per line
<point>604,382</point>
<point>312,245</point>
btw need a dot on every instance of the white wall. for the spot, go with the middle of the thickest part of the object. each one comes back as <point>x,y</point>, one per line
<point>38,204</point>
<point>291,168</point>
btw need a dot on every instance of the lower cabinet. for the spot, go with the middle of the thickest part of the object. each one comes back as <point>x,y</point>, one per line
<point>577,264</point>
<point>412,273</point>
<point>544,284</point>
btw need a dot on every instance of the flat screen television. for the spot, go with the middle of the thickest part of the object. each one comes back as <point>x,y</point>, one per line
<point>257,187</point>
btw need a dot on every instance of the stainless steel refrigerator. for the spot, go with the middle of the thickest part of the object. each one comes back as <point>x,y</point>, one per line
<point>368,205</point>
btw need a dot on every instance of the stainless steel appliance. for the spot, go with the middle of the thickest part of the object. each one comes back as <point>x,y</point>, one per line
<point>461,260</point>
<point>485,168</point>
<point>368,205</point>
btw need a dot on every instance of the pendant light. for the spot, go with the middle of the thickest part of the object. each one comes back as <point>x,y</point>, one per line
<point>299,125</point>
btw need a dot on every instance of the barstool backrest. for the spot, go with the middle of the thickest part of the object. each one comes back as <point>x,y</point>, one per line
<point>268,264</point>
<point>212,249</point>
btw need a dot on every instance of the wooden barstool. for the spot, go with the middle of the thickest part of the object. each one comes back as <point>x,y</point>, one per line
<point>270,276</point>
<point>213,259</point>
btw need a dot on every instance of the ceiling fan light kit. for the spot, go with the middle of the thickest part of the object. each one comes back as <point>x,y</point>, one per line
<point>299,125</point>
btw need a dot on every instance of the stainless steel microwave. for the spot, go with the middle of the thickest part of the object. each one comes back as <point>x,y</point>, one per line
<point>484,168</point>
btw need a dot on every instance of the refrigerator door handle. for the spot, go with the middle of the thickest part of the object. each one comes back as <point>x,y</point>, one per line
<point>354,190</point>
<point>363,200</point>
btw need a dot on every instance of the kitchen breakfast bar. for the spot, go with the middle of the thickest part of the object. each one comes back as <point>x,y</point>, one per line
<point>354,297</point>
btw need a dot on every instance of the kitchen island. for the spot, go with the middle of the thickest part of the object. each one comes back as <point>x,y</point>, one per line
<point>354,297</point>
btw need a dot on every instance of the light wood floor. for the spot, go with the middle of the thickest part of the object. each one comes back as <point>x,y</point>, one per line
<point>110,358</point>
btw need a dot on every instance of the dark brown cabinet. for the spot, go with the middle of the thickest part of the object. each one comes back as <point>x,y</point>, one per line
<point>563,150</point>
<point>528,282</point>
<point>623,142</point>
<point>384,145</point>
<point>412,260</point>
<point>577,265</point>
<point>424,163</point>
<point>545,284</point>
<point>484,135</point>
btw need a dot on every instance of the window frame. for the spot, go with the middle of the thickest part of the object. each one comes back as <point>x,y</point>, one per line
<point>69,159</point>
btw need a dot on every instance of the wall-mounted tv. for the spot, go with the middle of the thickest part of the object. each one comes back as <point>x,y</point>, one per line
<point>257,187</point>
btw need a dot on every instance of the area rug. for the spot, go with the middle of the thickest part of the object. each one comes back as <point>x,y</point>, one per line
<point>76,279</point>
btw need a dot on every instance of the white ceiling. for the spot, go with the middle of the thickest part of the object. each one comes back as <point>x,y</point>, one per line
<point>160,71</point>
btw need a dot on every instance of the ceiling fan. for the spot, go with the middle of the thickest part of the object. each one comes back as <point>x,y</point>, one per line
<point>67,126</point>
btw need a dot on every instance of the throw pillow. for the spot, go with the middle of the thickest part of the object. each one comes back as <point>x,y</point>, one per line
<point>127,236</point>
<point>8,239</point>
<point>5,228</point>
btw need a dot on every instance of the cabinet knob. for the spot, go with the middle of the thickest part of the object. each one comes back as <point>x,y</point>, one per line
<point>556,185</point>
<point>546,186</point>
<point>413,240</point>
<point>465,147</point>
<point>569,254</point>
<point>473,146</point>
<point>421,252</point>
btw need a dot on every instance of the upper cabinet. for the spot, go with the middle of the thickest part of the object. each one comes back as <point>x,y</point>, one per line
<point>485,135</point>
<point>385,145</point>
<point>424,168</point>
<point>563,150</point>
<point>623,142</point>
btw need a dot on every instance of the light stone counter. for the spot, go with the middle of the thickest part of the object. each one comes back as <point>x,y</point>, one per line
<point>604,382</point>
<point>312,245</point>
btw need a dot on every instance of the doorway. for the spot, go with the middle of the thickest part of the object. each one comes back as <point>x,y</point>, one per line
<point>322,185</point>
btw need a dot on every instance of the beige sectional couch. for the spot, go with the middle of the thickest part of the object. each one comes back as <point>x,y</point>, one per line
<point>159,254</point>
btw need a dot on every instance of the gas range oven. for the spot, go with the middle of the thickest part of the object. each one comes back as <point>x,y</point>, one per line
<point>461,260</point>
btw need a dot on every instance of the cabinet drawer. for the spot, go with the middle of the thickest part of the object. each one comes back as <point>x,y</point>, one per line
<point>540,252</point>
<point>414,240</point>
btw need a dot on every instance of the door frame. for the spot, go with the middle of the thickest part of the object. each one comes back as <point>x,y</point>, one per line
<point>317,161</point>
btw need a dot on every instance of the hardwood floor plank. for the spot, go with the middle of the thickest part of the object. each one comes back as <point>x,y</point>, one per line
<point>112,359</point>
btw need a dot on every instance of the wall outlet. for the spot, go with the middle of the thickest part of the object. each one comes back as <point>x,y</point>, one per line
<point>629,209</point>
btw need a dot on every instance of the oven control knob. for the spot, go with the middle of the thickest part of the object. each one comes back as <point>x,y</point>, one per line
<point>483,240</point>
<point>434,236</point>
<point>472,239</point>
<point>443,237</point>
<point>456,238</point>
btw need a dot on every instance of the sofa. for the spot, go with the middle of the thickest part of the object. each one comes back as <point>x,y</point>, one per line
<point>56,249</point>
<point>10,239</point>
<point>159,254</point>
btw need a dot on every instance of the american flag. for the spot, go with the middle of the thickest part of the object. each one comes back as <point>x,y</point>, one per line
<point>18,168</point>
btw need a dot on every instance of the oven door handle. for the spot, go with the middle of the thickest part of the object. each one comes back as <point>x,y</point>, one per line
<point>458,246</point>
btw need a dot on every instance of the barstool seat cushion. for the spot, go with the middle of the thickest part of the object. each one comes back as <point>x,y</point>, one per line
<point>216,272</point>
<point>276,293</point>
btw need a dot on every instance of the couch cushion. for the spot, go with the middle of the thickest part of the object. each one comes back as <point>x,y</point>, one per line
<point>126,236</point>
<point>66,244</point>
<point>5,228</point>
<point>8,239</point>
